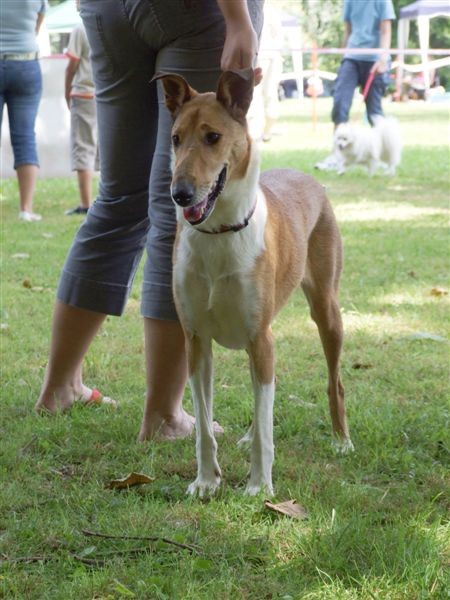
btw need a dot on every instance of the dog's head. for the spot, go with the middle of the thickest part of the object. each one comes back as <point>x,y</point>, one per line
<point>209,139</point>
<point>344,137</point>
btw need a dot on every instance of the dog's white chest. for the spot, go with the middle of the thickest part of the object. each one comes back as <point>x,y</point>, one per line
<point>229,317</point>
<point>214,286</point>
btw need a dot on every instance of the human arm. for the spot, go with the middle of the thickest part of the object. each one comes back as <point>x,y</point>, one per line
<point>385,43</point>
<point>39,20</point>
<point>40,16</point>
<point>241,42</point>
<point>71,69</point>
<point>347,32</point>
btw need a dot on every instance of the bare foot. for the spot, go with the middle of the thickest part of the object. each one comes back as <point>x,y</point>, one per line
<point>53,400</point>
<point>171,428</point>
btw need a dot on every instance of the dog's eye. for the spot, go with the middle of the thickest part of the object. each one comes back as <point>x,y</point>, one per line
<point>176,140</point>
<point>212,138</point>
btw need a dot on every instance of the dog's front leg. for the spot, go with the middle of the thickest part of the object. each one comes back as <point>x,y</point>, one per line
<point>201,382</point>
<point>263,380</point>
<point>390,170</point>
<point>341,165</point>
<point>372,167</point>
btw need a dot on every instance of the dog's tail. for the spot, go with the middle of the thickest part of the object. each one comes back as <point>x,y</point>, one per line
<point>389,131</point>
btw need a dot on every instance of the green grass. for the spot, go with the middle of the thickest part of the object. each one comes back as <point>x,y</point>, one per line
<point>378,519</point>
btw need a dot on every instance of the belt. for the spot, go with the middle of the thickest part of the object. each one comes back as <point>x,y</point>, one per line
<point>19,56</point>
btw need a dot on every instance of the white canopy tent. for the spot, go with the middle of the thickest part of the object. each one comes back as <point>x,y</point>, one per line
<point>423,11</point>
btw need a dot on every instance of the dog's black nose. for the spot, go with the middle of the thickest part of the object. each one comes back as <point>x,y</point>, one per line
<point>182,192</point>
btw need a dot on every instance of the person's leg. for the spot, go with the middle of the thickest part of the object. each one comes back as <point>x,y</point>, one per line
<point>346,83</point>
<point>3,83</point>
<point>376,92</point>
<point>197,58</point>
<point>73,330</point>
<point>166,362</point>
<point>99,270</point>
<point>344,89</point>
<point>23,97</point>
<point>166,368</point>
<point>83,146</point>
<point>27,177</point>
<point>270,84</point>
<point>85,178</point>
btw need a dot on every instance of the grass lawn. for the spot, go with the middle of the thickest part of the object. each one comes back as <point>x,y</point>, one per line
<point>377,525</point>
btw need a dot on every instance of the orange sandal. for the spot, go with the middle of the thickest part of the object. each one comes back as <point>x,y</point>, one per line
<point>97,397</point>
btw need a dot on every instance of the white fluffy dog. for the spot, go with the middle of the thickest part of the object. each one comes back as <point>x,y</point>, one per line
<point>370,147</point>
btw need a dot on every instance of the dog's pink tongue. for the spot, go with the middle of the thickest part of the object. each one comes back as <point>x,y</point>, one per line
<point>194,213</point>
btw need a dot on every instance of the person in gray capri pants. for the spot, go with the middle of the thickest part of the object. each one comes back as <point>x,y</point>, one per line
<point>130,41</point>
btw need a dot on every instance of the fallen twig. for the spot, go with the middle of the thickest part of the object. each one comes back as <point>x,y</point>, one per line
<point>190,547</point>
<point>105,556</point>
<point>26,559</point>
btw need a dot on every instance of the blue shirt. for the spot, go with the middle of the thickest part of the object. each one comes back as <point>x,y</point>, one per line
<point>365,17</point>
<point>18,24</point>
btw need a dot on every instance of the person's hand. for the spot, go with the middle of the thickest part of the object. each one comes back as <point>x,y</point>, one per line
<point>240,50</point>
<point>68,101</point>
<point>380,66</point>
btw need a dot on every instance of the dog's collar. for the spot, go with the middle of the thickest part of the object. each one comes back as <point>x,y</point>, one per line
<point>227,228</point>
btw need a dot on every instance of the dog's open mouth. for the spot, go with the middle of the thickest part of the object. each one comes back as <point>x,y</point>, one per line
<point>200,212</point>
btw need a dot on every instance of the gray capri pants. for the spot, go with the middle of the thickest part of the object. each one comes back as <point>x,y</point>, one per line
<point>130,41</point>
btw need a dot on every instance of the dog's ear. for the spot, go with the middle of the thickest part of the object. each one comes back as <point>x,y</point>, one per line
<point>235,92</point>
<point>177,91</point>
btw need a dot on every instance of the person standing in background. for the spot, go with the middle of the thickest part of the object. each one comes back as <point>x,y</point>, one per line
<point>367,25</point>
<point>264,109</point>
<point>79,92</point>
<point>271,63</point>
<point>21,91</point>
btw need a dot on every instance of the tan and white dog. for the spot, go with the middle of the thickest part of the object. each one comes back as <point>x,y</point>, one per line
<point>244,243</point>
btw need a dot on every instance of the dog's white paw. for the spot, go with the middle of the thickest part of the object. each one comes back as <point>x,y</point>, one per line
<point>203,486</point>
<point>343,446</point>
<point>253,489</point>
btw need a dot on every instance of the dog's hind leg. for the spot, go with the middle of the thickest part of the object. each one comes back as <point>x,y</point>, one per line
<point>321,288</point>
<point>201,381</point>
<point>261,356</point>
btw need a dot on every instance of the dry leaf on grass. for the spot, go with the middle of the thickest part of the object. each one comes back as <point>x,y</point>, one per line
<point>438,291</point>
<point>129,481</point>
<point>26,283</point>
<point>290,508</point>
<point>359,365</point>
